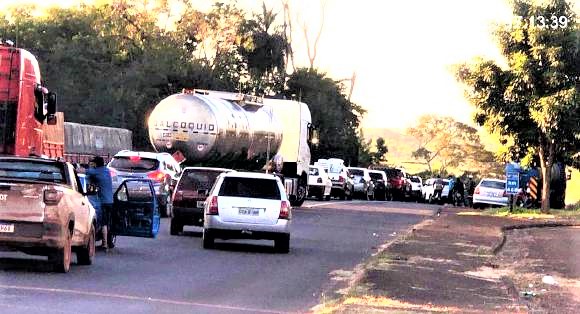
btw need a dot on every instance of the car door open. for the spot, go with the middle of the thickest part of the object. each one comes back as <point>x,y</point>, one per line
<point>135,211</point>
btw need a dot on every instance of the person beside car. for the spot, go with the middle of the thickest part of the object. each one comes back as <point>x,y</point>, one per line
<point>100,176</point>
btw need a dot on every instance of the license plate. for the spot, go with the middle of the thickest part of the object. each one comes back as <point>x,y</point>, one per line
<point>200,204</point>
<point>249,211</point>
<point>7,228</point>
<point>182,137</point>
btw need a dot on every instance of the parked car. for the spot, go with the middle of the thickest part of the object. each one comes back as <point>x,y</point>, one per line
<point>189,196</point>
<point>429,190</point>
<point>161,168</point>
<point>248,205</point>
<point>416,187</point>
<point>319,184</point>
<point>400,186</point>
<point>44,211</point>
<point>381,183</point>
<point>363,184</point>
<point>342,183</point>
<point>490,192</point>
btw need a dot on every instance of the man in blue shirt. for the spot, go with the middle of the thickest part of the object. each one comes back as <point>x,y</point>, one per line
<point>100,176</point>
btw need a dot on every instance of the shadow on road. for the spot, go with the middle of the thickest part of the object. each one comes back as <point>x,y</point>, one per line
<point>25,265</point>
<point>245,247</point>
<point>195,234</point>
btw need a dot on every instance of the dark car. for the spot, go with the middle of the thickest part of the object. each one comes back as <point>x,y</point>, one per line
<point>380,179</point>
<point>190,194</point>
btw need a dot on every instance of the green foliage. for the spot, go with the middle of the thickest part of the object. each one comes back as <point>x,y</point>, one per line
<point>112,63</point>
<point>336,118</point>
<point>450,144</point>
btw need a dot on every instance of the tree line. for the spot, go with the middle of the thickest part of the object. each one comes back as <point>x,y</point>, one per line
<point>111,63</point>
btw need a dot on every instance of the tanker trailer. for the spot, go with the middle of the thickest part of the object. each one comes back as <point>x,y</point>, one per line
<point>230,130</point>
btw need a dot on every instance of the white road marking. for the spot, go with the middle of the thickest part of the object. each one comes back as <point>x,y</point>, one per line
<point>137,298</point>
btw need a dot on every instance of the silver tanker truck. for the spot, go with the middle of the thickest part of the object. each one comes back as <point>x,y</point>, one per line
<point>230,130</point>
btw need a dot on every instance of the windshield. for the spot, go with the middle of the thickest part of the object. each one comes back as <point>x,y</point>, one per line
<point>394,173</point>
<point>415,180</point>
<point>376,176</point>
<point>493,184</point>
<point>134,163</point>
<point>32,170</point>
<point>198,179</point>
<point>335,168</point>
<point>313,172</point>
<point>250,187</point>
<point>356,172</point>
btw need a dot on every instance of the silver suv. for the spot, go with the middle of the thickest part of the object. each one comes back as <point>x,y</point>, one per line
<point>161,168</point>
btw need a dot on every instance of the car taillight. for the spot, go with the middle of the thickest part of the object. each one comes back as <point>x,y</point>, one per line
<point>319,180</point>
<point>52,197</point>
<point>476,190</point>
<point>340,179</point>
<point>213,206</point>
<point>178,196</point>
<point>284,210</point>
<point>156,176</point>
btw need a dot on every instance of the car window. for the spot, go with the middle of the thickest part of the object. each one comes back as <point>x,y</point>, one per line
<point>250,187</point>
<point>198,179</point>
<point>357,172</point>
<point>376,176</point>
<point>335,168</point>
<point>493,184</point>
<point>33,170</point>
<point>415,180</point>
<point>313,172</point>
<point>134,163</point>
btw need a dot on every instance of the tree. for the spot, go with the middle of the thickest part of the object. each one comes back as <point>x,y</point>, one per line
<point>336,118</point>
<point>450,143</point>
<point>382,150</point>
<point>534,103</point>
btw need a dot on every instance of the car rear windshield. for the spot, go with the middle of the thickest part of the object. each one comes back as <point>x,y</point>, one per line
<point>415,180</point>
<point>198,179</point>
<point>32,170</point>
<point>134,163</point>
<point>376,176</point>
<point>313,172</point>
<point>356,172</point>
<point>334,168</point>
<point>250,187</point>
<point>493,184</point>
<point>394,173</point>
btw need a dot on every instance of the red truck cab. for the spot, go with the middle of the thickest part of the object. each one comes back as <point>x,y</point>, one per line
<point>27,109</point>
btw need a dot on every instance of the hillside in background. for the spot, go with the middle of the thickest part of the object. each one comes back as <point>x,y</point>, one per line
<point>400,145</point>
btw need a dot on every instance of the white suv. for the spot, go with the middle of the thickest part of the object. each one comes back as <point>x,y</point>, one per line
<point>161,168</point>
<point>319,184</point>
<point>248,205</point>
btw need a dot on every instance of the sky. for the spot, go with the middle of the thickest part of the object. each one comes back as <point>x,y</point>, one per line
<point>401,51</point>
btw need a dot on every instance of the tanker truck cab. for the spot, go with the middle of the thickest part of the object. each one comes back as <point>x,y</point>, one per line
<point>24,103</point>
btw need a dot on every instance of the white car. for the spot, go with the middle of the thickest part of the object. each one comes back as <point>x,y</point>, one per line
<point>363,184</point>
<point>490,192</point>
<point>319,183</point>
<point>428,190</point>
<point>248,205</point>
<point>416,187</point>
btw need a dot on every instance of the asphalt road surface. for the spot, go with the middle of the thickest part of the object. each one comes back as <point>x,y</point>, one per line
<point>173,274</point>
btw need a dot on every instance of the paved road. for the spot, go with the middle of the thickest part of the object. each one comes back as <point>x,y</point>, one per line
<point>172,274</point>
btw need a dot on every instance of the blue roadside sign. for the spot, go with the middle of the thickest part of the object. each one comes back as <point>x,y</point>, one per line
<point>512,174</point>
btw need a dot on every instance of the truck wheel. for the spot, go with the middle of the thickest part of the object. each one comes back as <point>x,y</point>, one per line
<point>208,240</point>
<point>176,228</point>
<point>62,257</point>
<point>300,197</point>
<point>86,254</point>
<point>282,244</point>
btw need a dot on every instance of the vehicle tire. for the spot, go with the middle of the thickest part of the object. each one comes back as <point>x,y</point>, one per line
<point>175,227</point>
<point>300,197</point>
<point>327,198</point>
<point>282,244</point>
<point>349,196</point>
<point>207,240</point>
<point>342,196</point>
<point>430,199</point>
<point>86,253</point>
<point>111,239</point>
<point>61,259</point>
<point>320,197</point>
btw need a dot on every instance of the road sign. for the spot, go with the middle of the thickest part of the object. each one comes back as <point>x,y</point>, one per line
<point>512,182</point>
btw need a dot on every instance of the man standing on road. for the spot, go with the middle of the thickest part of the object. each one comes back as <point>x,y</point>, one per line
<point>438,188</point>
<point>99,175</point>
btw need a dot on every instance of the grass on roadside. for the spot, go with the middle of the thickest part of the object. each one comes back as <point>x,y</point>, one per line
<point>520,212</point>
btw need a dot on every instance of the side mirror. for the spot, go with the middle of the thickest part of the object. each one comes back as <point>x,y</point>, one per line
<point>51,104</point>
